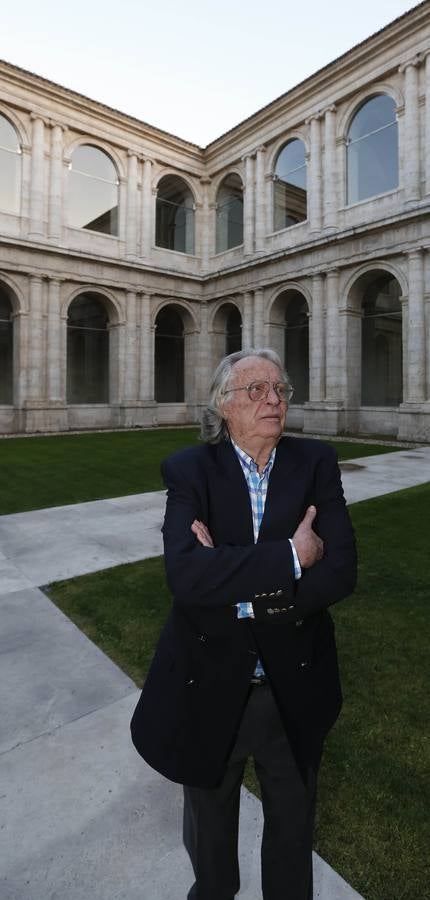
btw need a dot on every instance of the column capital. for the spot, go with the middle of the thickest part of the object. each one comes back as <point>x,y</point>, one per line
<point>56,279</point>
<point>416,253</point>
<point>205,180</point>
<point>247,156</point>
<point>145,159</point>
<point>135,153</point>
<point>261,148</point>
<point>332,108</point>
<point>413,62</point>
<point>52,123</point>
<point>314,117</point>
<point>36,117</point>
<point>332,273</point>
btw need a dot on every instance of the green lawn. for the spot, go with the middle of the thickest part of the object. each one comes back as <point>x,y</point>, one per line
<point>373,813</point>
<point>38,472</point>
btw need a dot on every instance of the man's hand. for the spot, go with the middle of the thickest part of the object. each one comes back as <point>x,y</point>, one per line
<point>202,533</point>
<point>309,546</point>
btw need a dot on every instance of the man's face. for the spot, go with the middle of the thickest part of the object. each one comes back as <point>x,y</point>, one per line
<point>254,420</point>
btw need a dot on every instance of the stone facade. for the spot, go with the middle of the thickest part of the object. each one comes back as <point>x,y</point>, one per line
<point>328,259</point>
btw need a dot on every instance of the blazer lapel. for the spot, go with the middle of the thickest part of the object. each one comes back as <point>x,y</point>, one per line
<point>229,489</point>
<point>286,494</point>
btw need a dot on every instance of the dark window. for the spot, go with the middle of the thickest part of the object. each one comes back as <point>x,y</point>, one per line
<point>297,346</point>
<point>6,349</point>
<point>229,214</point>
<point>290,192</point>
<point>10,168</point>
<point>93,191</point>
<point>381,344</point>
<point>169,356</point>
<point>233,336</point>
<point>174,226</point>
<point>87,351</point>
<point>372,150</point>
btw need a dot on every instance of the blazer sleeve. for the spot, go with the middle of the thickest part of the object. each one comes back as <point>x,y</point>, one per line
<point>223,575</point>
<point>334,577</point>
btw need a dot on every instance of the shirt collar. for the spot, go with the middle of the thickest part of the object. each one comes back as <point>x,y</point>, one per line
<point>250,463</point>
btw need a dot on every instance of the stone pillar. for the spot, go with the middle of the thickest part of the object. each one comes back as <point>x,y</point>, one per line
<point>330,170</point>
<point>36,341</point>
<point>411,132</point>
<point>203,372</point>
<point>54,341</point>
<point>427,123</point>
<point>20,320</point>
<point>315,184</point>
<point>416,328</point>
<point>131,350</point>
<point>317,342</point>
<point>147,333</point>
<point>206,221</point>
<point>247,329</point>
<point>260,201</point>
<point>131,220</point>
<point>248,207</point>
<point>259,337</point>
<point>147,209</point>
<point>55,215</point>
<point>37,187</point>
<point>333,374</point>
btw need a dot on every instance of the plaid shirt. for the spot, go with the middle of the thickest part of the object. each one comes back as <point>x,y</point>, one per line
<point>257,487</point>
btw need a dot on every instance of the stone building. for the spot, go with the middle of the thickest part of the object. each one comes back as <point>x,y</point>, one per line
<point>132,260</point>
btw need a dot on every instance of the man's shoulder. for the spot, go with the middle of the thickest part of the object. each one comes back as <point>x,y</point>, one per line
<point>306,448</point>
<point>190,459</point>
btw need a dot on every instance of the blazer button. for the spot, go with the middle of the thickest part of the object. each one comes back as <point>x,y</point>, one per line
<point>299,623</point>
<point>304,664</point>
<point>270,611</point>
<point>189,682</point>
<point>291,606</point>
<point>202,638</point>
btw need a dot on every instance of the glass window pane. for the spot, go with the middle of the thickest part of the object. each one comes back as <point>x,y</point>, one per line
<point>290,187</point>
<point>87,352</point>
<point>169,357</point>
<point>93,191</point>
<point>10,168</point>
<point>374,114</point>
<point>174,224</point>
<point>229,214</point>
<point>6,350</point>
<point>373,165</point>
<point>381,344</point>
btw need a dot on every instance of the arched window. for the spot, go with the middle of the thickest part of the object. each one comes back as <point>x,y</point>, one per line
<point>6,349</point>
<point>290,194</point>
<point>381,343</point>
<point>169,356</point>
<point>297,345</point>
<point>174,226</point>
<point>93,191</point>
<point>10,168</point>
<point>229,214</point>
<point>233,330</point>
<point>87,351</point>
<point>372,149</point>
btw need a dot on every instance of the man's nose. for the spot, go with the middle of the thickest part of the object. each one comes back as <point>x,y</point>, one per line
<point>272,396</point>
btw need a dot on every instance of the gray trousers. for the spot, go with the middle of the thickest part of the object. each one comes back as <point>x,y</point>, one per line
<point>211,816</point>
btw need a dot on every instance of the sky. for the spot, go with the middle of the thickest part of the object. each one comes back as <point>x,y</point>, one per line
<point>194,68</point>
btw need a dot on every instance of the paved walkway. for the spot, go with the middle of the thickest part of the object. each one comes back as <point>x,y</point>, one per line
<point>81,815</point>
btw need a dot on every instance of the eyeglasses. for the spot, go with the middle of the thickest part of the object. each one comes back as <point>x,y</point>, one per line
<point>259,390</point>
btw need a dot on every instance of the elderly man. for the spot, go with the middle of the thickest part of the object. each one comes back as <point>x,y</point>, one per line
<point>258,544</point>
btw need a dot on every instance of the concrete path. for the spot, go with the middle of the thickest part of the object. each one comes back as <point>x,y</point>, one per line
<point>81,815</point>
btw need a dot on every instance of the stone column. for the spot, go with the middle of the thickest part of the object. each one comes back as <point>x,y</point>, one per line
<point>317,342</point>
<point>259,337</point>
<point>147,332</point>
<point>206,221</point>
<point>147,209</point>
<point>131,350</point>
<point>247,329</point>
<point>330,171</point>
<point>54,341</point>
<point>248,207</point>
<point>333,361</point>
<point>55,215</point>
<point>131,220</point>
<point>204,356</point>
<point>36,355</point>
<point>260,200</point>
<point>427,123</point>
<point>315,184</point>
<point>20,320</point>
<point>416,328</point>
<point>37,176</point>
<point>411,140</point>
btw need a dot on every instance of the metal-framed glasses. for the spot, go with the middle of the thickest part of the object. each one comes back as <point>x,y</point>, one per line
<point>259,390</point>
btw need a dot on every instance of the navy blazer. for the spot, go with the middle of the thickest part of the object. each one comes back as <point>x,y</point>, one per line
<point>188,714</point>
